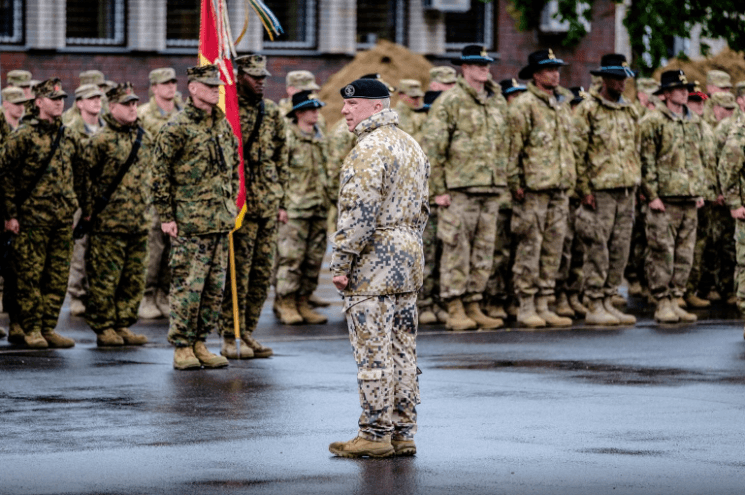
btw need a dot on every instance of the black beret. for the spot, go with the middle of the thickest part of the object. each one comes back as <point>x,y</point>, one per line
<point>370,89</point>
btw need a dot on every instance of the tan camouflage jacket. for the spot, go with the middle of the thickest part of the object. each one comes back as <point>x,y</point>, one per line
<point>383,210</point>
<point>606,142</point>
<point>465,139</point>
<point>541,153</point>
<point>127,211</point>
<point>307,187</point>
<point>195,172</point>
<point>731,163</point>
<point>409,121</point>
<point>78,125</point>
<point>340,143</point>
<point>153,118</point>
<point>62,187</point>
<point>677,155</point>
<point>266,172</point>
<point>285,105</point>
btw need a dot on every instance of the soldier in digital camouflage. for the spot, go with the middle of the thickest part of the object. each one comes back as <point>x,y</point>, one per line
<point>541,172</point>
<point>465,138</point>
<point>195,183</point>
<point>117,254</point>
<point>39,210</point>
<point>377,264</point>
<point>606,141</point>
<point>677,148</point>
<point>153,115</point>
<point>297,81</point>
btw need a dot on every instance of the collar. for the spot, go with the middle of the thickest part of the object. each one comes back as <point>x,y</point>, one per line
<point>550,100</point>
<point>687,114</point>
<point>472,92</point>
<point>114,124</point>
<point>621,103</point>
<point>199,115</point>
<point>386,117</point>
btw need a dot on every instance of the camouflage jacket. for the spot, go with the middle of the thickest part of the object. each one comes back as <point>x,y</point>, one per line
<point>195,172</point>
<point>127,211</point>
<point>606,142</point>
<point>285,105</point>
<point>409,121</point>
<point>70,114</point>
<point>340,143</point>
<point>5,129</point>
<point>723,128</point>
<point>60,190</point>
<point>153,118</point>
<point>266,171</point>
<point>78,125</point>
<point>306,192</point>
<point>383,209</point>
<point>677,155</point>
<point>731,162</point>
<point>541,154</point>
<point>465,139</point>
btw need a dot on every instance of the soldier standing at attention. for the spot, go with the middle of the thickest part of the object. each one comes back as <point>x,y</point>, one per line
<point>410,96</point>
<point>94,77</point>
<point>153,115</point>
<point>23,79</point>
<point>195,183</point>
<point>117,254</point>
<point>541,171</point>
<point>677,147</point>
<point>297,81</point>
<point>465,139</point>
<point>377,263</point>
<point>264,132</point>
<point>606,141</point>
<point>717,81</point>
<point>44,181</point>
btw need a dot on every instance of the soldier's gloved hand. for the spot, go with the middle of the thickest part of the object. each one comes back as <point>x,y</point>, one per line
<point>657,205</point>
<point>443,200</point>
<point>12,225</point>
<point>589,200</point>
<point>169,228</point>
<point>282,216</point>
<point>699,202</point>
<point>739,213</point>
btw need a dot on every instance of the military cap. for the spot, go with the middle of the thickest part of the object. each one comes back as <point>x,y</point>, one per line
<point>302,80</point>
<point>121,93</point>
<point>410,87</point>
<point>673,79</point>
<point>14,95</point>
<point>472,54</point>
<point>510,86</point>
<point>579,95</point>
<point>51,88</point>
<point>718,78</point>
<point>369,89</point>
<point>443,75</point>
<point>540,60</point>
<point>614,65</point>
<point>87,91</point>
<point>429,99</point>
<point>647,85</point>
<point>92,77</point>
<point>304,100</point>
<point>740,88</point>
<point>724,99</point>
<point>253,65</point>
<point>19,78</point>
<point>162,75</point>
<point>205,74</point>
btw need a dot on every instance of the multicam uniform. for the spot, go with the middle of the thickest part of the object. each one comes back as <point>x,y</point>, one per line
<point>383,208</point>
<point>409,121</point>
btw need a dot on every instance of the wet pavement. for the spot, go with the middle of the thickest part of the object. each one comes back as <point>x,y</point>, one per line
<point>645,409</point>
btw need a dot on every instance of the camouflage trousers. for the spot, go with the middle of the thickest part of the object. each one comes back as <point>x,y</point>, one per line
<point>77,283</point>
<point>301,246</point>
<point>671,237</point>
<point>158,275</point>
<point>10,291</point>
<point>638,250</point>
<point>740,268</point>
<point>430,291</point>
<point>499,285</point>
<point>42,262</point>
<point>715,252</point>
<point>118,264</point>
<point>703,240</point>
<point>255,243</point>
<point>539,224</point>
<point>382,330</point>
<point>606,232</point>
<point>198,265</point>
<point>570,277</point>
<point>468,230</point>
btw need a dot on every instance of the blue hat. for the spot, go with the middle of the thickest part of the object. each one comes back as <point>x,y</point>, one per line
<point>369,89</point>
<point>614,65</point>
<point>540,60</point>
<point>304,100</point>
<point>473,54</point>
<point>510,86</point>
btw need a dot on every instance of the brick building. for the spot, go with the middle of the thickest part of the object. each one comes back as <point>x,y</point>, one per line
<point>125,39</point>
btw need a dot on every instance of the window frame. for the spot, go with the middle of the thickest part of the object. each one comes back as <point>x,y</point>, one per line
<point>120,30</point>
<point>18,24</point>
<point>176,43</point>
<point>399,28</point>
<point>311,42</point>
<point>489,33</point>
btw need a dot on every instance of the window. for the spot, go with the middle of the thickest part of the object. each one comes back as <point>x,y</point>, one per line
<point>298,20</point>
<point>11,21</point>
<point>378,19</point>
<point>474,27</point>
<point>99,22</point>
<point>182,23</point>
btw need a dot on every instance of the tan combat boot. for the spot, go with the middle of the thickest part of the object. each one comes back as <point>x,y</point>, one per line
<point>696,302</point>
<point>57,341</point>
<point>457,319</point>
<point>623,318</point>
<point>148,309</point>
<point>286,310</point>
<point>551,318</point>
<point>360,447</point>
<point>619,301</point>
<point>230,351</point>
<point>34,340</point>
<point>526,314</point>
<point>184,359</point>
<point>131,338</point>
<point>404,447</point>
<point>579,308</point>
<point>442,315</point>
<point>109,338</point>
<point>473,311</point>
<point>206,358</point>
<point>163,303</point>
<point>683,315</point>
<point>427,316</point>
<point>635,288</point>
<point>308,314</point>
<point>664,312</point>
<point>597,314</point>
<point>495,309</point>
<point>680,302</point>
<point>317,302</point>
<point>260,351</point>
<point>16,334</point>
<point>563,308</point>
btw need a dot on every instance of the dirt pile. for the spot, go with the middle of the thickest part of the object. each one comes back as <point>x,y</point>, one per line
<point>729,61</point>
<point>393,62</point>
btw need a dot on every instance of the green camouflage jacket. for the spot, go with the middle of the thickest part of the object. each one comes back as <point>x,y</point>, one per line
<point>541,154</point>
<point>465,139</point>
<point>731,163</point>
<point>606,142</point>
<point>383,208</point>
<point>195,172</point>
<point>340,143</point>
<point>5,129</point>
<point>677,155</point>
<point>61,189</point>
<point>266,172</point>
<point>153,118</point>
<point>306,192</point>
<point>409,121</point>
<point>127,211</point>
